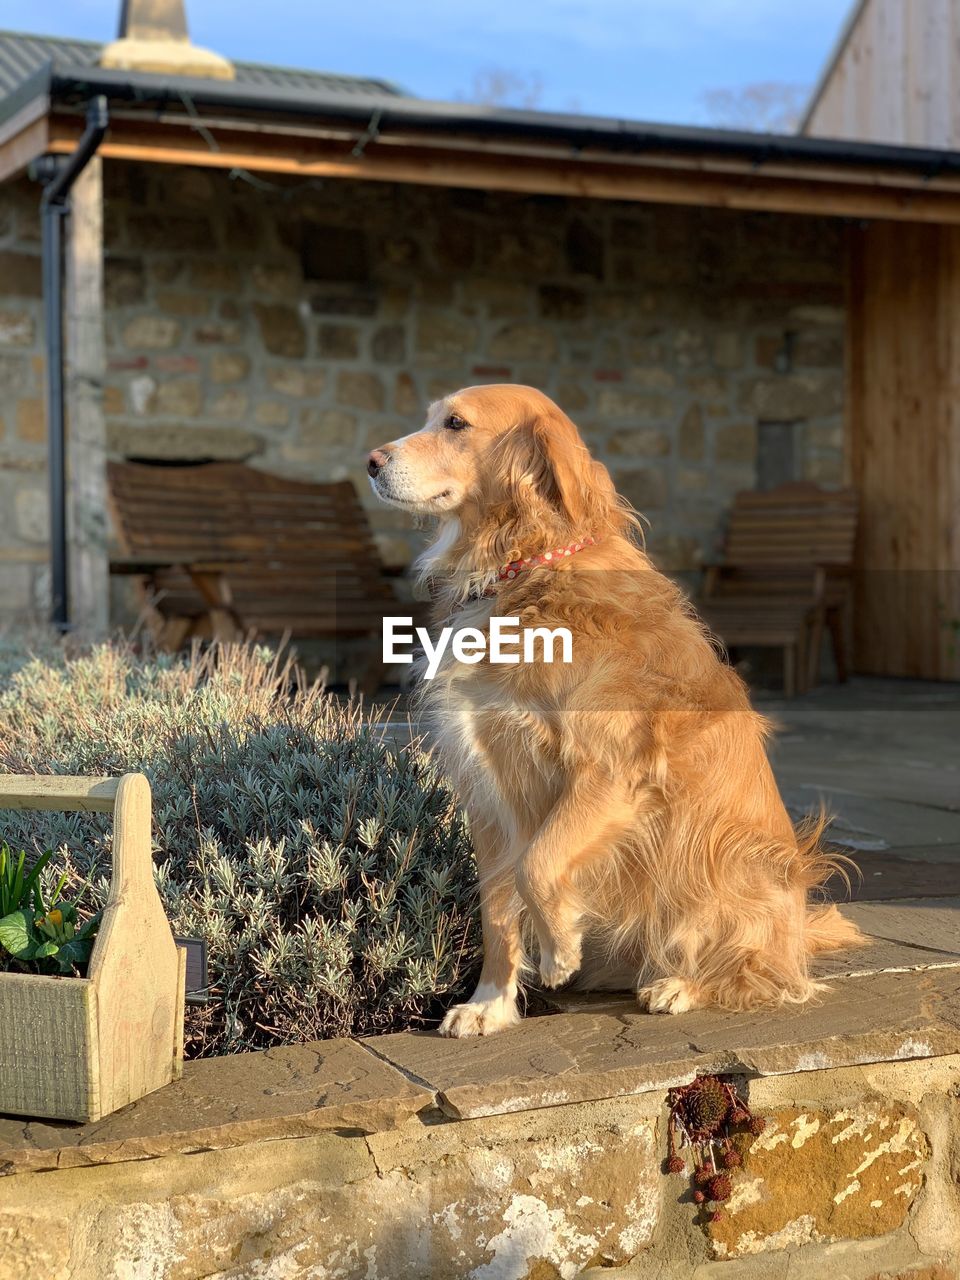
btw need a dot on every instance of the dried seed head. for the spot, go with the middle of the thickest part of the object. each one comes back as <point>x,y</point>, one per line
<point>719,1187</point>
<point>757,1125</point>
<point>675,1164</point>
<point>698,1197</point>
<point>707,1104</point>
<point>731,1159</point>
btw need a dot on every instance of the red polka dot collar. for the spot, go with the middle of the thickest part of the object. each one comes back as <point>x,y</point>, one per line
<point>516,567</point>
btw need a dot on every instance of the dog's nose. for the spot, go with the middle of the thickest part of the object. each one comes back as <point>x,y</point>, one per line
<point>377,461</point>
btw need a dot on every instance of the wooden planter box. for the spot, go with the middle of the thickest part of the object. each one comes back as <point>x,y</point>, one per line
<point>79,1048</point>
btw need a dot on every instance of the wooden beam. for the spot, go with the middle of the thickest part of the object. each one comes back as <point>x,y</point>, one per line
<point>20,146</point>
<point>652,179</point>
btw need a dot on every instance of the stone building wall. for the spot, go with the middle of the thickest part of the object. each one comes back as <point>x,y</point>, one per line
<point>24,579</point>
<point>297,325</point>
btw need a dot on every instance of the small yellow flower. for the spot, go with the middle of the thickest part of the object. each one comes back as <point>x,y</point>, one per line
<point>55,918</point>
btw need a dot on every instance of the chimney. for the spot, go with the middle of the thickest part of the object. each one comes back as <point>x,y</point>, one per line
<point>154,37</point>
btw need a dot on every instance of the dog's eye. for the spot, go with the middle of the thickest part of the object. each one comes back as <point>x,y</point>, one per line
<point>455,423</point>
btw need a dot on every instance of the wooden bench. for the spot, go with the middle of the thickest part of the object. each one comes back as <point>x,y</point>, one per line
<point>785,574</point>
<point>224,550</point>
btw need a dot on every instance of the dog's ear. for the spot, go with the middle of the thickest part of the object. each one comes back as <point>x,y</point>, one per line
<point>570,479</point>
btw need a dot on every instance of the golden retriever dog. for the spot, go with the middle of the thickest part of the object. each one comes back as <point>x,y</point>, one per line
<point>624,814</point>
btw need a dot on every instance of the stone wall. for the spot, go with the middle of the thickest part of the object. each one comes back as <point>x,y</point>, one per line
<point>297,325</point>
<point>24,580</point>
<point>853,1179</point>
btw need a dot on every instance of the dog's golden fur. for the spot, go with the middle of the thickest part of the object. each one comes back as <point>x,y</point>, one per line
<point>623,806</point>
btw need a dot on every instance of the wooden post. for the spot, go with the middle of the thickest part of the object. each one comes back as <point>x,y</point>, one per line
<point>84,355</point>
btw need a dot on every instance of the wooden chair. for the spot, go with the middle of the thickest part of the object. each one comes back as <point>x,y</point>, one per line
<point>224,550</point>
<point>784,575</point>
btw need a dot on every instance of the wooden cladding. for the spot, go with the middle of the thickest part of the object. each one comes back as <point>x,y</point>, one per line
<point>904,416</point>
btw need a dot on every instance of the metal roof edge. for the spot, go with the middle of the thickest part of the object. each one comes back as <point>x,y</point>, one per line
<point>577,131</point>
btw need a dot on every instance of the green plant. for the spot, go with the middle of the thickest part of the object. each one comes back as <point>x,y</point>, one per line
<point>44,937</point>
<point>18,887</point>
<point>327,867</point>
<point>55,941</point>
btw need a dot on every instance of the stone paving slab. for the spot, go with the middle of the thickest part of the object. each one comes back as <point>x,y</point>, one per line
<point>922,871</point>
<point>224,1102</point>
<point>602,1047</point>
<point>932,923</point>
<point>870,822</point>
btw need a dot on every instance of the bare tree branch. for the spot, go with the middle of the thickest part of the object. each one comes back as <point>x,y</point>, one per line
<point>767,107</point>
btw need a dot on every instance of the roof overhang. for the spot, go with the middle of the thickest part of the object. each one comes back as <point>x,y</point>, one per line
<point>220,124</point>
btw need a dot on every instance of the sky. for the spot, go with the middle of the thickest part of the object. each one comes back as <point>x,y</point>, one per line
<point>636,59</point>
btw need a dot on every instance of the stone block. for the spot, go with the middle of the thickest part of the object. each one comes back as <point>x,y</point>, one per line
<point>176,443</point>
<point>356,302</point>
<point>114,401</point>
<point>736,443</point>
<point>618,402</point>
<point>389,344</point>
<point>276,281</point>
<point>825,469</point>
<point>561,302</point>
<point>693,481</point>
<point>177,398</point>
<point>229,366</point>
<point>728,350</point>
<point>20,275</point>
<point>498,298</point>
<point>360,390</point>
<point>441,335</point>
<point>272,413</point>
<point>32,514</point>
<point>142,392</point>
<point>16,597</point>
<point>177,234</point>
<point>338,341</point>
<point>326,427</point>
<point>406,398</point>
<point>690,436</point>
<point>16,376</point>
<point>152,333</point>
<point>795,395</point>
<point>181,302</point>
<point>32,420</point>
<point>232,403</point>
<point>524,342</point>
<point>124,281</point>
<point>216,274</point>
<point>572,396</point>
<point>17,328</point>
<point>282,331</point>
<point>226,332</point>
<point>844,1172</point>
<point>646,488</point>
<point>651,378</point>
<point>674,553</point>
<point>296,380</point>
<point>643,442</point>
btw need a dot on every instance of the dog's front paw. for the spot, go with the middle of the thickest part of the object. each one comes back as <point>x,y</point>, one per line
<point>669,995</point>
<point>558,967</point>
<point>559,964</point>
<point>480,1018</point>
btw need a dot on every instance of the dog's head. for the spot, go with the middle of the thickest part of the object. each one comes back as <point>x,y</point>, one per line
<point>503,455</point>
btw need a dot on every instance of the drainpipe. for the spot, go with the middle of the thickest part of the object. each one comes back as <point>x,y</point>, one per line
<point>58,178</point>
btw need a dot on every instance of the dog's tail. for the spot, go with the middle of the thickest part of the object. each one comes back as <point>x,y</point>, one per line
<point>825,928</point>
